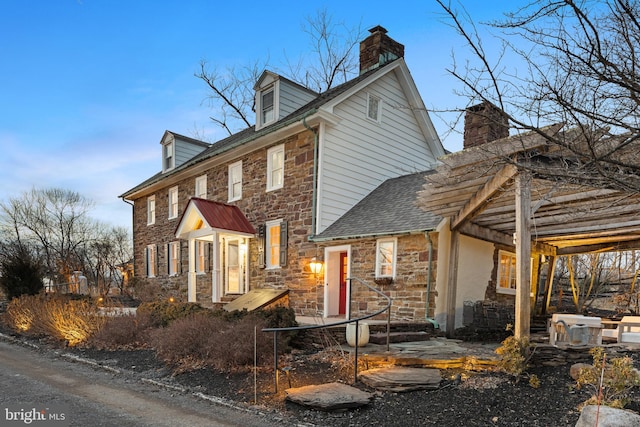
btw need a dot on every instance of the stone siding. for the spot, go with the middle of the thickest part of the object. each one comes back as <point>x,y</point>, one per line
<point>408,290</point>
<point>292,203</point>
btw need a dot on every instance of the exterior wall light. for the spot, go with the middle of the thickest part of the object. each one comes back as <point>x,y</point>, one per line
<point>316,266</point>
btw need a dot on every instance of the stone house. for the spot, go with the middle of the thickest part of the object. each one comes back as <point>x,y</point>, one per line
<point>319,192</point>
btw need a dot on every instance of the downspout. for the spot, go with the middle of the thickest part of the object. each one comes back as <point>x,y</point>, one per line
<point>315,175</point>
<point>429,271</point>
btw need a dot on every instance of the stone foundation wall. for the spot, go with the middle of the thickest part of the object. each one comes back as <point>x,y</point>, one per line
<point>487,315</point>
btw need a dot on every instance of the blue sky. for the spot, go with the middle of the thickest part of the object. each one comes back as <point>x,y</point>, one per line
<point>89,86</point>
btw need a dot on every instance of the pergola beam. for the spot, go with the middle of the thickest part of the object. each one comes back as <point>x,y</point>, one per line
<point>600,247</point>
<point>482,196</point>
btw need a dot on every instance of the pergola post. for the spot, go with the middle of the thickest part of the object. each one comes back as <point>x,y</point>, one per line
<point>454,251</point>
<point>548,288</point>
<point>523,254</point>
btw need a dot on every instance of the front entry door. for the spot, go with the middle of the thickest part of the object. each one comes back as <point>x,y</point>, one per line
<point>342,302</point>
<point>233,269</point>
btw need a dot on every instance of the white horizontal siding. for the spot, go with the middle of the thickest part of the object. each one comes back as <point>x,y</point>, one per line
<point>357,155</point>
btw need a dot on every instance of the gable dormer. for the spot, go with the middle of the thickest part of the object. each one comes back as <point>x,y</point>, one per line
<point>277,97</point>
<point>177,149</point>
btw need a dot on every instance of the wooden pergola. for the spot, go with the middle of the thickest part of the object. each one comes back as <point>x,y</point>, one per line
<point>512,192</point>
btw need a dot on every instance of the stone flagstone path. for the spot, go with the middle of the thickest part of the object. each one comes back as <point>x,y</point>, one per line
<point>329,397</point>
<point>400,379</point>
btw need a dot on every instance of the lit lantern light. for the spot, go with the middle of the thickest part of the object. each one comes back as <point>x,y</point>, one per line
<point>315,266</point>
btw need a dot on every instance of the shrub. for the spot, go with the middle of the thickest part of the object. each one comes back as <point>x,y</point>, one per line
<point>20,314</point>
<point>161,313</point>
<point>610,381</point>
<point>20,274</point>
<point>123,333</point>
<point>278,317</point>
<point>71,320</point>
<point>515,354</point>
<point>202,340</point>
<point>275,317</point>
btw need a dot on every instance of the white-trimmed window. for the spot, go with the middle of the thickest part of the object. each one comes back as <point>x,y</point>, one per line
<point>386,258</point>
<point>173,258</point>
<point>374,107</point>
<point>275,167</point>
<point>201,187</point>
<point>267,106</point>
<point>201,246</point>
<point>151,210</point>
<point>273,244</point>
<point>168,157</point>
<point>173,202</point>
<point>506,281</point>
<point>506,273</point>
<point>235,181</point>
<point>151,260</point>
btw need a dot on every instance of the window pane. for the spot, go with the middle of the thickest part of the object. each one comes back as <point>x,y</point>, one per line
<point>200,260</point>
<point>275,168</point>
<point>173,203</point>
<point>174,258</point>
<point>151,210</point>
<point>267,107</point>
<point>385,259</point>
<point>201,187</point>
<point>374,105</point>
<point>273,243</point>
<point>507,271</point>
<point>235,181</point>
<point>233,268</point>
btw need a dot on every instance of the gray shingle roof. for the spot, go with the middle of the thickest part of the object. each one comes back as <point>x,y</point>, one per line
<point>389,209</point>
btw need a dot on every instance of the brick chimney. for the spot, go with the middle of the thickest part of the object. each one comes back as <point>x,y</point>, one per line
<point>484,123</point>
<point>378,49</point>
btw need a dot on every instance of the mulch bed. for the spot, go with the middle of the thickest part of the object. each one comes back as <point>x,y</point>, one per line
<point>463,399</point>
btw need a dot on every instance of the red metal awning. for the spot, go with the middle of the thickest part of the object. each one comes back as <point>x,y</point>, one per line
<point>216,215</point>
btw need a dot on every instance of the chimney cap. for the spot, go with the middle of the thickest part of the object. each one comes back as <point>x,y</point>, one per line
<point>378,28</point>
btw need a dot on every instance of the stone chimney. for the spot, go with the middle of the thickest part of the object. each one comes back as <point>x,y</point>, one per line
<point>484,123</point>
<point>378,49</point>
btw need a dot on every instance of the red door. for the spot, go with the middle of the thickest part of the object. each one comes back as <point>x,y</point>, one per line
<point>342,305</point>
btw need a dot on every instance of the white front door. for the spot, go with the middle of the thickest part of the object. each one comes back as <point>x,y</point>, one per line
<point>235,262</point>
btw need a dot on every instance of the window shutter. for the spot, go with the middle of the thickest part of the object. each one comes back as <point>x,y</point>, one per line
<point>262,242</point>
<point>180,256</point>
<point>168,253</point>
<point>148,261</point>
<point>283,243</point>
<point>156,260</point>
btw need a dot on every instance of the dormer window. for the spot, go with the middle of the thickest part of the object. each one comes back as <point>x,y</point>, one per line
<point>267,107</point>
<point>168,157</point>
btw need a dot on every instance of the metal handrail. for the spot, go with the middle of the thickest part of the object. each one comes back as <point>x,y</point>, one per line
<point>328,325</point>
